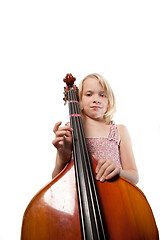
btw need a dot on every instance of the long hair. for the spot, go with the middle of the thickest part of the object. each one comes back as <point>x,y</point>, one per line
<point>108,91</point>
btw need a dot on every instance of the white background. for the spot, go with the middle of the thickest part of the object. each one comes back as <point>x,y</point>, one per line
<point>40,42</point>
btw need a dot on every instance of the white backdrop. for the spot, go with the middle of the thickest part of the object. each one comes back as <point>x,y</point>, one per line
<point>40,42</point>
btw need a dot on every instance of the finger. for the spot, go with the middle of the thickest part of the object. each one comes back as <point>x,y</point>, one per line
<point>110,172</point>
<point>62,133</point>
<point>107,171</point>
<point>99,165</point>
<point>107,163</point>
<point>114,173</point>
<point>57,141</point>
<point>102,170</point>
<point>56,126</point>
<point>66,128</point>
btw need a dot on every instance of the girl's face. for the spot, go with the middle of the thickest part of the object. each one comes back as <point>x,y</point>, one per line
<point>94,99</point>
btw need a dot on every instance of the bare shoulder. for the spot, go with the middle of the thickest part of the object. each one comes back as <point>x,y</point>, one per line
<point>123,132</point>
<point>122,128</point>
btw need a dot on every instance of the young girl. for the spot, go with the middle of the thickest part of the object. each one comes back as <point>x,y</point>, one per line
<point>110,144</point>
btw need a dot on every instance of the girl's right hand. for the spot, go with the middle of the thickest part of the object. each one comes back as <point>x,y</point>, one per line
<point>63,141</point>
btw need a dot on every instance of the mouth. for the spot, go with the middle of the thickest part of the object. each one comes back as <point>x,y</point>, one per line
<point>95,107</point>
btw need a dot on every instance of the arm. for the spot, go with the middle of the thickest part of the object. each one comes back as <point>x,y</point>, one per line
<point>107,169</point>
<point>59,165</point>
<point>63,143</point>
<point>129,169</point>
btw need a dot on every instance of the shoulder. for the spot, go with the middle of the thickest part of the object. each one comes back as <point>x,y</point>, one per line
<point>123,133</point>
<point>121,128</point>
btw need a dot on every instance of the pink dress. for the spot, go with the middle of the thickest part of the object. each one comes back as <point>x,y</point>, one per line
<point>106,147</point>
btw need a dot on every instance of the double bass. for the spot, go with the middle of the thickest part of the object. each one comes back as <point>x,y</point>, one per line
<point>76,206</point>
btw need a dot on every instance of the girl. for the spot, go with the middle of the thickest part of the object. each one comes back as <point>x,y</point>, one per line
<point>110,144</point>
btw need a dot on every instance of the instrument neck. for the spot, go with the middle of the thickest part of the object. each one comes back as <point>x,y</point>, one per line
<point>92,226</point>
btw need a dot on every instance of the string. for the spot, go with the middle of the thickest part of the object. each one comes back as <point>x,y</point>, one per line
<point>90,174</point>
<point>77,174</point>
<point>90,184</point>
<point>91,194</point>
<point>78,165</point>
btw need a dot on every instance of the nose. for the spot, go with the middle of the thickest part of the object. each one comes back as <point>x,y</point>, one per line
<point>96,99</point>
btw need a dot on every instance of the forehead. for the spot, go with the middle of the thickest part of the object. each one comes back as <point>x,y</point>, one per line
<point>92,84</point>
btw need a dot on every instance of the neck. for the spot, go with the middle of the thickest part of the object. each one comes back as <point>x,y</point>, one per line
<point>92,122</point>
<point>93,127</point>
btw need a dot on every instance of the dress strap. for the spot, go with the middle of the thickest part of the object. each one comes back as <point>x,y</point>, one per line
<point>113,132</point>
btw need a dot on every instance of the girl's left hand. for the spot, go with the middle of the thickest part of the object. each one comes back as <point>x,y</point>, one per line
<point>106,169</point>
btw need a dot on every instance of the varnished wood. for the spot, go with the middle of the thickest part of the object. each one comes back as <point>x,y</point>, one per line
<point>127,213</point>
<point>53,212</point>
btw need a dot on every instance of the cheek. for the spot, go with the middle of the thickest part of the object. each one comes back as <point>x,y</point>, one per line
<point>85,101</point>
<point>106,105</point>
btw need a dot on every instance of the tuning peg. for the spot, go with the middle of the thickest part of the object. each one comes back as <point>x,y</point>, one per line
<point>69,79</point>
<point>65,96</point>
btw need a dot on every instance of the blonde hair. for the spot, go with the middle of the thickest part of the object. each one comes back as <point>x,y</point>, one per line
<point>108,91</point>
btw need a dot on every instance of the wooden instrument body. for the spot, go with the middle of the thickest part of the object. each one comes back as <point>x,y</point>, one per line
<point>53,213</point>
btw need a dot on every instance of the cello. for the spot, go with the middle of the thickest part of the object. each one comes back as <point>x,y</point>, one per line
<point>76,206</point>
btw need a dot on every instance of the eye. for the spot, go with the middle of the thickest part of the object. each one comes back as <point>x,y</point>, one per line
<point>103,95</point>
<point>88,94</point>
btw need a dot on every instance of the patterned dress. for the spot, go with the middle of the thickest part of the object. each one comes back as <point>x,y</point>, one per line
<point>106,147</point>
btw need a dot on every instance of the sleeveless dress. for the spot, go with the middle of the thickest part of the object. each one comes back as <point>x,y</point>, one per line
<point>106,147</point>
